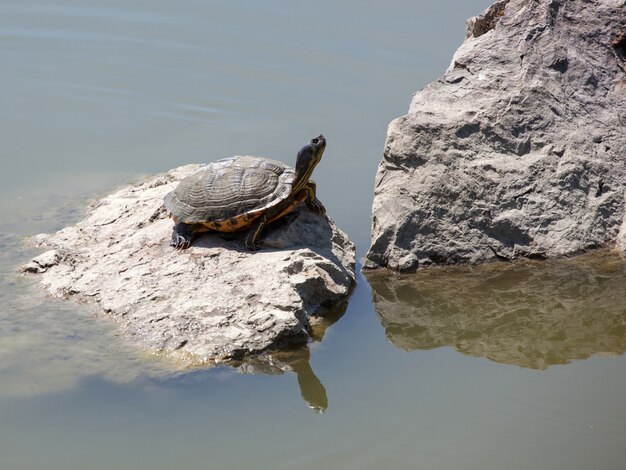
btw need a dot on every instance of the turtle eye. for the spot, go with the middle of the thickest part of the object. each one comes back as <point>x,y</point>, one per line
<point>315,141</point>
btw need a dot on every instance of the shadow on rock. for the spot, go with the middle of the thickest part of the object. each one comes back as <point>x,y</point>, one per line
<point>532,314</point>
<point>300,229</point>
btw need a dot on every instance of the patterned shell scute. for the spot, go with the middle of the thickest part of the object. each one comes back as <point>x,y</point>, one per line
<point>229,188</point>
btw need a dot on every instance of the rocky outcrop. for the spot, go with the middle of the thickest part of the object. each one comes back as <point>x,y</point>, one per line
<point>213,302</point>
<point>518,150</point>
<point>532,314</point>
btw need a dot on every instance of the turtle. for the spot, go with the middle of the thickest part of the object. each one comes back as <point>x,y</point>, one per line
<point>239,193</point>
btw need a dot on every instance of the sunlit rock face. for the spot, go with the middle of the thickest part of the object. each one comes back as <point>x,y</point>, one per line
<point>216,301</point>
<point>518,150</point>
<point>532,314</point>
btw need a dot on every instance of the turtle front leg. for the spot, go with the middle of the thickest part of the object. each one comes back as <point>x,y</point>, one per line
<point>182,235</point>
<point>311,200</point>
<point>254,232</point>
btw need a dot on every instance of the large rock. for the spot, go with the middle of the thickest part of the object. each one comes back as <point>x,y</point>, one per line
<point>519,150</point>
<point>215,301</point>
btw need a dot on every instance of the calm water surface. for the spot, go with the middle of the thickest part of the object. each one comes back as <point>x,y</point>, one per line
<point>496,367</point>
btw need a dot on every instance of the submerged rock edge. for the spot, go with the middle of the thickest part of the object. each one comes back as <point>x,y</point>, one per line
<point>215,302</point>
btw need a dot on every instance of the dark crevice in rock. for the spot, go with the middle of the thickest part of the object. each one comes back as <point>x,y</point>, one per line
<point>438,258</point>
<point>619,44</point>
<point>537,255</point>
<point>525,193</point>
<point>600,188</point>
<point>486,21</point>
<point>467,130</point>
<point>498,255</point>
<point>460,65</point>
<point>181,344</point>
<point>560,65</point>
<point>553,10</point>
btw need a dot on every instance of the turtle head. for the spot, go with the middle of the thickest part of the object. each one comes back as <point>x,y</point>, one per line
<point>308,157</point>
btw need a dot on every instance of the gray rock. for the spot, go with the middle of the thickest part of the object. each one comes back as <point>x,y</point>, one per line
<point>213,302</point>
<point>41,263</point>
<point>518,150</point>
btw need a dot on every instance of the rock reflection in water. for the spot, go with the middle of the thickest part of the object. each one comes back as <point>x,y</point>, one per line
<point>298,362</point>
<point>532,314</point>
<point>311,389</point>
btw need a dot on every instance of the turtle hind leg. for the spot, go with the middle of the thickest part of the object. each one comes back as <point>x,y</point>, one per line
<point>182,235</point>
<point>255,231</point>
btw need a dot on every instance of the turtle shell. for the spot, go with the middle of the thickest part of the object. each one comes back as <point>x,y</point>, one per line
<point>229,194</point>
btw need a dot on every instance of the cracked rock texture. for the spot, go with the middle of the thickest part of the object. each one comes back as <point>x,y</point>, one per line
<point>518,150</point>
<point>213,302</point>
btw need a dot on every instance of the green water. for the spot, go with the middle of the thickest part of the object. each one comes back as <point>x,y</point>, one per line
<point>505,366</point>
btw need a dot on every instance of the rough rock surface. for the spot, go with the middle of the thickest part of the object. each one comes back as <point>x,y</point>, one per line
<point>518,150</point>
<point>212,302</point>
<point>532,314</point>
